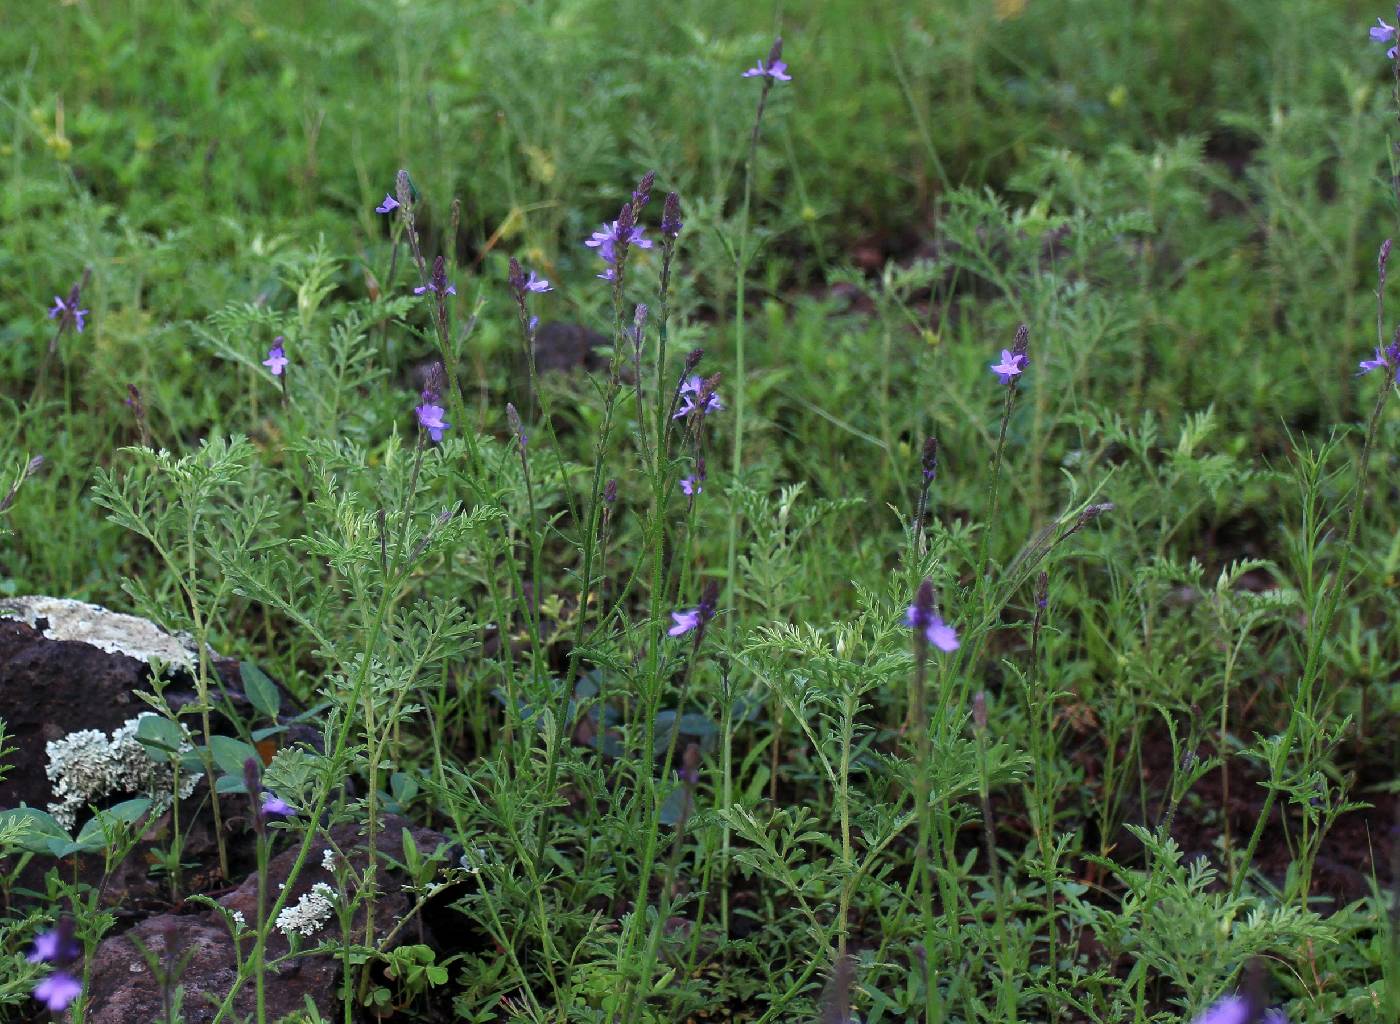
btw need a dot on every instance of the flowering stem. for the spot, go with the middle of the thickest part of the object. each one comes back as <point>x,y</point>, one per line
<point>1313,666</point>
<point>334,759</point>
<point>259,944</point>
<point>741,267</point>
<point>589,540</point>
<point>994,488</point>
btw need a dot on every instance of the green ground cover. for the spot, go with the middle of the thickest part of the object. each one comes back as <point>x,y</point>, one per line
<point>1160,765</point>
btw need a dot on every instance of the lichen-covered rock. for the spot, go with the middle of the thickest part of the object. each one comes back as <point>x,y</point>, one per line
<point>69,669</point>
<point>58,618</point>
<point>87,767</point>
<point>69,677</point>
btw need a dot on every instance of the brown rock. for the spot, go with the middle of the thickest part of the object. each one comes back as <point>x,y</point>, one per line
<point>125,990</point>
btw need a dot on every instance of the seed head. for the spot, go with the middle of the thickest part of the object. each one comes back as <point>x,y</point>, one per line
<point>518,428</point>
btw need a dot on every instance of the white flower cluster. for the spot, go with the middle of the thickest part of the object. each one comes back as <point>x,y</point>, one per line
<point>87,766</point>
<point>309,913</point>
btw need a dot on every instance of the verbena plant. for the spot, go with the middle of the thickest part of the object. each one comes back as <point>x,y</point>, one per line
<point>860,655</point>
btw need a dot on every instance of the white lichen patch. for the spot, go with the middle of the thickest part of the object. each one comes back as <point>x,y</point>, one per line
<point>88,766</point>
<point>106,630</point>
<point>308,914</point>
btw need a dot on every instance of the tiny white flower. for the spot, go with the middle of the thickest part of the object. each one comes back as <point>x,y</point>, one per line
<point>308,914</point>
<point>328,859</point>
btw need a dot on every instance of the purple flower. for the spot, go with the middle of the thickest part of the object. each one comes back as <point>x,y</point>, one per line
<point>432,286</point>
<point>1387,358</point>
<point>389,205</point>
<point>693,395</point>
<point>685,622</point>
<point>1230,1010</point>
<point>55,946</point>
<point>1384,33</point>
<point>777,71</point>
<point>58,990</point>
<point>606,240</point>
<point>1379,363</point>
<point>67,311</point>
<point>430,419</point>
<point>695,618</point>
<point>924,620</point>
<point>276,360</point>
<point>691,485</point>
<point>521,283</point>
<point>273,804</point>
<point>1010,367</point>
<point>437,283</point>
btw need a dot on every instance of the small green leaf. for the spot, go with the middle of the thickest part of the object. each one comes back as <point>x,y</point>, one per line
<point>230,754</point>
<point>226,784</point>
<point>161,737</point>
<point>262,691</point>
<point>40,830</point>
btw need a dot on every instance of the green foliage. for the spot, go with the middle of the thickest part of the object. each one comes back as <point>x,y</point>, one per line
<point>1126,784</point>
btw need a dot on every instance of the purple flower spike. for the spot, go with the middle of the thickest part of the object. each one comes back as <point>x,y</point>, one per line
<point>389,205</point>
<point>67,310</point>
<point>691,486</point>
<point>606,240</point>
<point>692,396</point>
<point>437,283</point>
<point>1010,367</point>
<point>276,360</point>
<point>430,419</point>
<point>273,804</point>
<point>671,222</point>
<point>58,991</point>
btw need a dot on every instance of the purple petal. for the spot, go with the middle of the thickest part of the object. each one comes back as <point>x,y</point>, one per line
<point>388,206</point>
<point>57,991</point>
<point>942,635</point>
<point>273,804</point>
<point>1230,1010</point>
